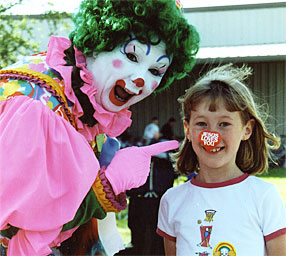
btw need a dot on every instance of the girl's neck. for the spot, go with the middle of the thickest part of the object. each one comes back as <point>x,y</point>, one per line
<point>218,175</point>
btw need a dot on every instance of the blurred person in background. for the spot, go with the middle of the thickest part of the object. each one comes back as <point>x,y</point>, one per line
<point>167,130</point>
<point>152,131</point>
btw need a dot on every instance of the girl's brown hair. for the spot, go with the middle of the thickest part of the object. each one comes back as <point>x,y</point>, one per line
<point>226,82</point>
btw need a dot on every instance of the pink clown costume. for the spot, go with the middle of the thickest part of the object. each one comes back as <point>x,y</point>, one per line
<point>48,168</point>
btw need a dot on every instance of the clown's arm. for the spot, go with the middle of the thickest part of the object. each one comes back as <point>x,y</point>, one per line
<point>46,169</point>
<point>127,169</point>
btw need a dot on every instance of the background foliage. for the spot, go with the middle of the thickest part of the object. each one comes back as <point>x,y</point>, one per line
<point>18,36</point>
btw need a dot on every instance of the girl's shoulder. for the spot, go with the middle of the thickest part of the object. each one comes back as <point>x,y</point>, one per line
<point>261,188</point>
<point>259,183</point>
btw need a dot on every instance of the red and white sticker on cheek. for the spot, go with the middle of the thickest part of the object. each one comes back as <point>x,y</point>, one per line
<point>209,139</point>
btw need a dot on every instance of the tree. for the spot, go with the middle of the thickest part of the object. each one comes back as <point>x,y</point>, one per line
<point>17,37</point>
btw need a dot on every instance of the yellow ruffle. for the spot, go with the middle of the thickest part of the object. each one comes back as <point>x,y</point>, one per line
<point>98,190</point>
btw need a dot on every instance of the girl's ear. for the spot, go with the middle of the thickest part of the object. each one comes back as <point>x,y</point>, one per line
<point>248,129</point>
<point>187,130</point>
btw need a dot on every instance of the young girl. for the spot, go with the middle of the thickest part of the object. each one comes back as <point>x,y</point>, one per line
<point>224,209</point>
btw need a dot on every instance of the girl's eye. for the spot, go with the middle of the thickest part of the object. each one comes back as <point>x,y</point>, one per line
<point>154,72</point>
<point>131,56</point>
<point>201,124</point>
<point>224,124</point>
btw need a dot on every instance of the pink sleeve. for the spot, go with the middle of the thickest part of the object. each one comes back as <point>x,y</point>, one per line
<point>32,242</point>
<point>36,242</point>
<point>46,167</point>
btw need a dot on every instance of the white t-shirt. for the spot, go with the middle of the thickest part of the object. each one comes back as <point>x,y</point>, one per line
<point>150,130</point>
<point>235,217</point>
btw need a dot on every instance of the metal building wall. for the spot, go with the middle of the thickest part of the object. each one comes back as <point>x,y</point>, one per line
<point>239,25</point>
<point>268,83</point>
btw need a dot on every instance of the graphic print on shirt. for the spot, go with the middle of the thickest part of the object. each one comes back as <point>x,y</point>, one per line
<point>209,215</point>
<point>206,230</point>
<point>205,235</point>
<point>224,249</point>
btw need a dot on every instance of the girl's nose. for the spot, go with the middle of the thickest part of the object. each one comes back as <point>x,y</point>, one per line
<point>139,82</point>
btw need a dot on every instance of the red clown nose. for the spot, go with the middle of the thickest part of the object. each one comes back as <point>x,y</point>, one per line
<point>209,139</point>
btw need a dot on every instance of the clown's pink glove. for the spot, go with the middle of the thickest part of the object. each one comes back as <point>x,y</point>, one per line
<point>130,167</point>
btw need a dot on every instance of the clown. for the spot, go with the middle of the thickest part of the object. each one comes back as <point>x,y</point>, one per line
<point>59,112</point>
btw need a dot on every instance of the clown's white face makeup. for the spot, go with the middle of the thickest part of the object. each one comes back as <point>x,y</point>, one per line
<point>127,74</point>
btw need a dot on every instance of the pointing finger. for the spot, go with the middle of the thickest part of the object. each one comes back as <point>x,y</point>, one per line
<point>160,147</point>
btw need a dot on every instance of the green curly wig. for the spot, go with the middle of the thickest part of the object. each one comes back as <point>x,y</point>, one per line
<point>102,25</point>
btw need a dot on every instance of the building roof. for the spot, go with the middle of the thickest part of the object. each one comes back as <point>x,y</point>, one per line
<point>243,53</point>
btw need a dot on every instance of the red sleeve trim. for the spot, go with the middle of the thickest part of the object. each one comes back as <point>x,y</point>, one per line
<point>275,234</point>
<point>165,235</point>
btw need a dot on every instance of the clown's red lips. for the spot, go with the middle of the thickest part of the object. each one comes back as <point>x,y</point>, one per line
<point>118,94</point>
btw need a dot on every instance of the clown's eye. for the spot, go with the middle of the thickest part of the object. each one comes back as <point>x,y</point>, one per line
<point>131,56</point>
<point>154,71</point>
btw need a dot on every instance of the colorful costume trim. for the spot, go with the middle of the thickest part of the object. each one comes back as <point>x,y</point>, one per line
<point>43,81</point>
<point>108,201</point>
<point>4,241</point>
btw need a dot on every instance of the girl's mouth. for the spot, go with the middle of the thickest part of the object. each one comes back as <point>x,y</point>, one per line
<point>214,150</point>
<point>119,95</point>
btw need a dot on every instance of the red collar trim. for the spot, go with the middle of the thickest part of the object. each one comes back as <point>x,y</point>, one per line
<point>219,184</point>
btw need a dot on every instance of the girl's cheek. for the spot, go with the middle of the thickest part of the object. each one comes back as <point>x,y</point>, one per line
<point>154,85</point>
<point>117,64</point>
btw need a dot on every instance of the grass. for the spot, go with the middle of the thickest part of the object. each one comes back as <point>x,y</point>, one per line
<point>122,225</point>
<point>276,176</point>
